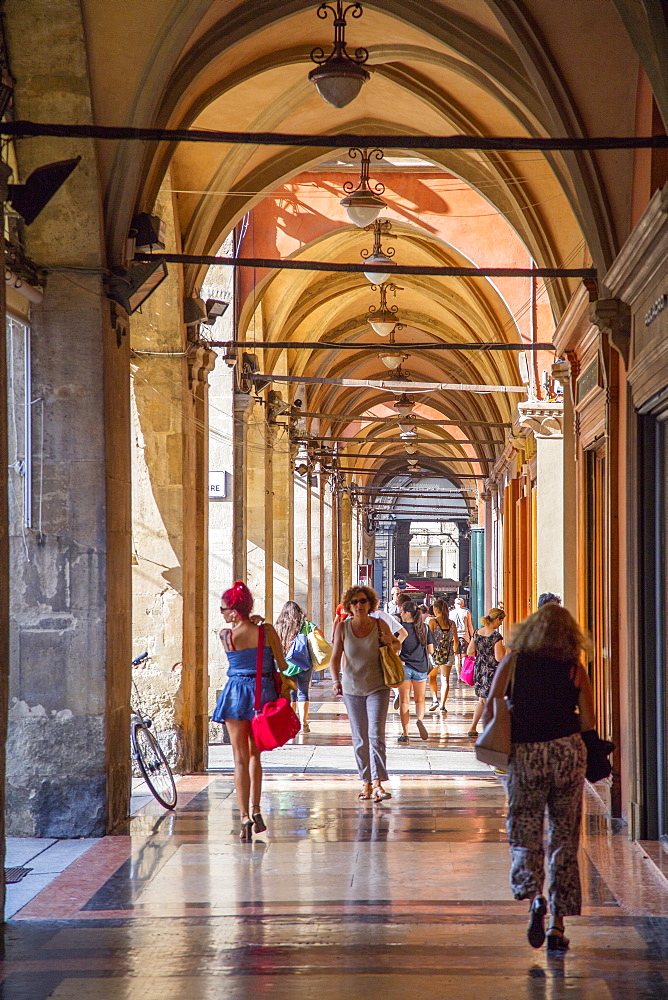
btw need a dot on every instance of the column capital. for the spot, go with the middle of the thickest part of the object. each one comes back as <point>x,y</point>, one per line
<point>542,419</point>
<point>613,316</point>
<point>201,361</point>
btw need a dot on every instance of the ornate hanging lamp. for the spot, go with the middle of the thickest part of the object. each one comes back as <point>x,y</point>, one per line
<point>339,76</point>
<point>392,360</point>
<point>377,255</point>
<point>383,318</point>
<point>363,203</point>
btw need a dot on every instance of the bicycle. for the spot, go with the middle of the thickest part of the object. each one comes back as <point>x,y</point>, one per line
<point>148,754</point>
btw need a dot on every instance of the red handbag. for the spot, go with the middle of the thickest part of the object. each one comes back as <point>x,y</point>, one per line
<point>275,722</point>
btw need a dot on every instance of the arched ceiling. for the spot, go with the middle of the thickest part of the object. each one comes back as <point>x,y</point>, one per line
<point>480,67</point>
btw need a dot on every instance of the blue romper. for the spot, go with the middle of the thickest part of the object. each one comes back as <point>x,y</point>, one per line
<point>237,699</point>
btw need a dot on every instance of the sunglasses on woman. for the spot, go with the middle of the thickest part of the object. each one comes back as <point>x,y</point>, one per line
<point>360,600</point>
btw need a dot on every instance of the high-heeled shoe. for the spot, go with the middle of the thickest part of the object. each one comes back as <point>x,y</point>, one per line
<point>246,831</point>
<point>557,942</point>
<point>258,822</point>
<point>536,928</point>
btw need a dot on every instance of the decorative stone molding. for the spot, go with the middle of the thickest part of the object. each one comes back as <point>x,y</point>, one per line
<point>542,419</point>
<point>613,316</point>
<point>201,361</point>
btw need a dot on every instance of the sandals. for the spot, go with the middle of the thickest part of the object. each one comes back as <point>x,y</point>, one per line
<point>258,822</point>
<point>305,727</point>
<point>536,928</point>
<point>403,738</point>
<point>557,943</point>
<point>472,733</point>
<point>246,831</point>
<point>379,794</point>
<point>366,793</point>
<point>422,729</point>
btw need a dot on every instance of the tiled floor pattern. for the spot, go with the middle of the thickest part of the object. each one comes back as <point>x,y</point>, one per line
<point>339,899</point>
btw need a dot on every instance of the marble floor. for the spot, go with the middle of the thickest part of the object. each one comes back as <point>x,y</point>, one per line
<point>339,898</point>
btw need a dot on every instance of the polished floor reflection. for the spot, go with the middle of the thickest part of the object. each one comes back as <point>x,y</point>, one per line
<point>339,898</point>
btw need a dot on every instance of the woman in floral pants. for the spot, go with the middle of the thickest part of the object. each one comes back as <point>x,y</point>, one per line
<point>550,701</point>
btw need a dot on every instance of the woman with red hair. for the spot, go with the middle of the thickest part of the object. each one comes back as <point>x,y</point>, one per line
<point>236,704</point>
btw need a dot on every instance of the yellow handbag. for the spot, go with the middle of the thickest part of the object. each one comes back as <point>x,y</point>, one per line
<point>321,650</point>
<point>391,664</point>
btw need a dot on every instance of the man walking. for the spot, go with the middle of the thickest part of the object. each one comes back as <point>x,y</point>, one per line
<point>461,616</point>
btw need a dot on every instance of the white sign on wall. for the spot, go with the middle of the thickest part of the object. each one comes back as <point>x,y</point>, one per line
<point>217,485</point>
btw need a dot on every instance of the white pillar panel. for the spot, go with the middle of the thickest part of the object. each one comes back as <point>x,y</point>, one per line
<point>550,514</point>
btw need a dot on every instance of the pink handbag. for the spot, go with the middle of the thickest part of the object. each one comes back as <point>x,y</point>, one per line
<point>275,722</point>
<point>468,665</point>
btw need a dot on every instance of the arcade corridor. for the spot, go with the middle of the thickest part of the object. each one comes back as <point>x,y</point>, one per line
<point>338,898</point>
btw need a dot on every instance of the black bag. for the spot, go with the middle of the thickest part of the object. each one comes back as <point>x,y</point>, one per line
<point>598,751</point>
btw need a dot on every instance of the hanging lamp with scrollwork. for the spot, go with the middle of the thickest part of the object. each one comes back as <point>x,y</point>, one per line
<point>339,75</point>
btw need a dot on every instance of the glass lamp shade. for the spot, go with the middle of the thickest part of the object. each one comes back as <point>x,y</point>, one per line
<point>338,81</point>
<point>377,278</point>
<point>383,322</point>
<point>404,406</point>
<point>392,360</point>
<point>363,208</point>
<point>410,449</point>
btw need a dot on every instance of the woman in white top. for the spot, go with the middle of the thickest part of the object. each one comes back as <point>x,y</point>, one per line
<point>365,693</point>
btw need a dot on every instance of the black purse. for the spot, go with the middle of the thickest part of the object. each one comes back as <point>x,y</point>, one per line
<point>598,751</point>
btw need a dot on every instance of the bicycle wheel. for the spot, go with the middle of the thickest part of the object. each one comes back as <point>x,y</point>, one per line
<point>154,767</point>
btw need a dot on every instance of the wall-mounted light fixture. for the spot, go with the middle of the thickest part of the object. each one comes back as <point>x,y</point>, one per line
<point>148,232</point>
<point>131,288</point>
<point>194,311</point>
<point>339,76</point>
<point>363,203</point>
<point>376,255</point>
<point>215,308</point>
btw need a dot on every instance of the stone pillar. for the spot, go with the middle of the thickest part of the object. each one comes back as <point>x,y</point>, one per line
<point>347,561</point>
<point>315,576</point>
<point>464,555</point>
<point>302,541</point>
<point>489,548</point>
<point>221,523</point>
<point>201,362</point>
<point>4,558</point>
<point>327,561</point>
<point>259,510</point>
<point>569,490</point>
<point>322,555</point>
<point>283,525</point>
<point>242,406</point>
<point>67,750</point>
<point>402,543</point>
<point>545,420</point>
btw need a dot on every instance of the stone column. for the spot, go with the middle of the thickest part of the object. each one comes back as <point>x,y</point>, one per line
<point>4,556</point>
<point>201,362</point>
<point>259,508</point>
<point>322,552</point>
<point>283,524</point>
<point>487,499</point>
<point>301,494</point>
<point>545,420</point>
<point>347,561</point>
<point>327,563</point>
<point>67,750</point>
<point>315,572</point>
<point>242,406</point>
